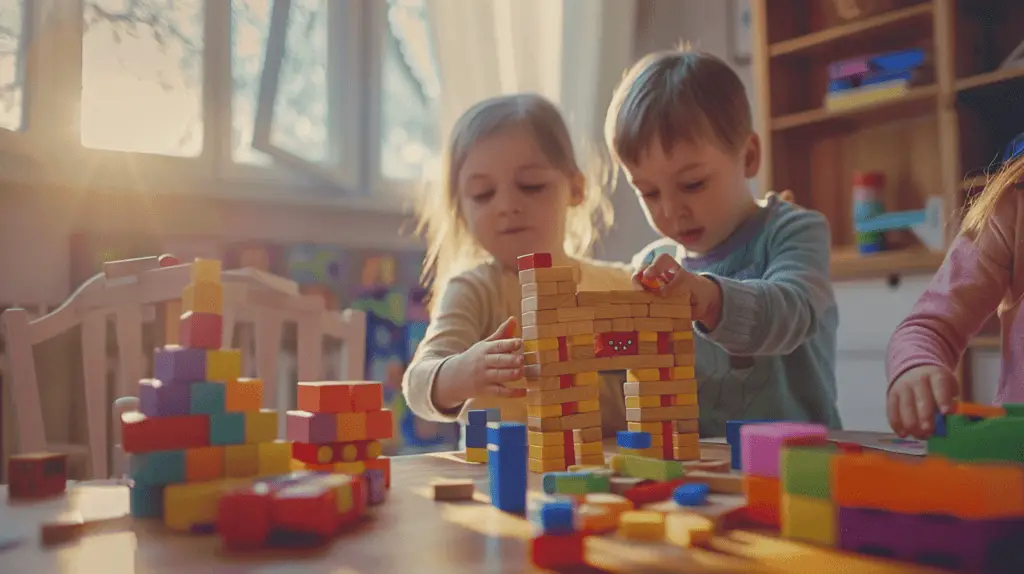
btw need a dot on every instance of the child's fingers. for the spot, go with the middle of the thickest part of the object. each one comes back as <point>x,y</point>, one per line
<point>943,387</point>
<point>501,375</point>
<point>908,410</point>
<point>503,361</point>
<point>925,403</point>
<point>503,346</point>
<point>498,390</point>
<point>663,267</point>
<point>504,331</point>
<point>892,405</point>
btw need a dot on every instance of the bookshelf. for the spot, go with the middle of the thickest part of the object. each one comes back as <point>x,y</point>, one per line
<point>931,141</point>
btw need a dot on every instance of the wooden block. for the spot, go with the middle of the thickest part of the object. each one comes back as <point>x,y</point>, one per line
<point>627,362</point>
<point>476,454</point>
<point>686,335</point>
<point>566,287</point>
<point>686,453</point>
<point>646,467</point>
<point>645,388</point>
<point>203,298</point>
<point>683,347</point>
<point>639,310</point>
<point>581,420</point>
<point>718,482</point>
<point>451,489</point>
<point>590,459</point>
<point>681,412</point>
<point>602,326</point>
<point>541,357</point>
<point>649,324</point>
<point>643,525</point>
<point>585,450</point>
<point>646,348</point>
<point>533,261</point>
<point>686,426</point>
<point>612,311</point>
<point>586,378</point>
<point>554,331</point>
<point>592,434</point>
<point>573,314</point>
<point>687,440</point>
<point>619,297</point>
<point>646,402</point>
<point>570,395</point>
<point>540,466</point>
<point>595,298</point>
<point>544,411</point>
<point>680,325</point>
<point>583,339</point>
<point>535,438</point>
<point>557,369</point>
<point>546,302</point>
<point>577,328</point>
<point>546,317</point>
<point>544,424</point>
<point>545,452</point>
<point>581,353</point>
<point>647,336</point>
<point>624,324</point>
<point>640,374</point>
<point>684,360</point>
<point>546,275</point>
<point>205,270</point>
<point>588,406</point>
<point>688,530</point>
<point>543,384</point>
<point>684,399</point>
<point>534,345</point>
<point>535,289</point>
<point>668,311</point>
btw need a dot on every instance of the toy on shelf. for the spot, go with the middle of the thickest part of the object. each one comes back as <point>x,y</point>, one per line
<point>928,224</point>
<point>36,475</point>
<point>476,433</point>
<point>569,336</point>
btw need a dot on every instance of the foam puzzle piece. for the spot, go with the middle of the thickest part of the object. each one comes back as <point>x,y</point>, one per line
<point>762,444</point>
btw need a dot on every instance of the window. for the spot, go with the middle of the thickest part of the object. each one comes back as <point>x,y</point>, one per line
<point>272,91</point>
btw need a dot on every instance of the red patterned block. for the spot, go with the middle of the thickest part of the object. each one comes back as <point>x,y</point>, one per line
<point>534,261</point>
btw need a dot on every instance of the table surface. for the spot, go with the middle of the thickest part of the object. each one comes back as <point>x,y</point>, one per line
<point>408,533</point>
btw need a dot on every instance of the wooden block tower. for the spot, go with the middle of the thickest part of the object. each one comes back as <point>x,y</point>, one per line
<point>570,335</point>
<point>338,428</point>
<point>200,429</point>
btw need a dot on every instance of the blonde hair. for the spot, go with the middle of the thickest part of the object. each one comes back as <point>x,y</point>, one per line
<point>1008,178</point>
<point>677,95</point>
<point>451,248</point>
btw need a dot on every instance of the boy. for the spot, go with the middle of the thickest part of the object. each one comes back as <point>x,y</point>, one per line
<point>764,312</point>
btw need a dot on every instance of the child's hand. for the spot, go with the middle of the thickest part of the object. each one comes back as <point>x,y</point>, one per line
<point>667,277</point>
<point>914,397</point>
<point>482,370</point>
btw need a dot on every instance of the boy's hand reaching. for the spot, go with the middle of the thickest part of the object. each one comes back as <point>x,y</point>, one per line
<point>915,396</point>
<point>482,370</point>
<point>667,277</point>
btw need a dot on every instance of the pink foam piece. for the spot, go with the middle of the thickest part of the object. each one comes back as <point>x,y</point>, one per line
<point>760,444</point>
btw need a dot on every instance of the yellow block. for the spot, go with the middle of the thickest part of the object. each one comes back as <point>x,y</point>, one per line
<point>590,460</point>
<point>582,340</point>
<point>688,440</point>
<point>540,438</point>
<point>647,337</point>
<point>641,375</point>
<point>588,449</point>
<point>476,454</point>
<point>537,345</point>
<point>686,399</point>
<point>688,529</point>
<point>343,498</point>
<point>542,465</point>
<point>203,297</point>
<point>274,457</point>
<point>544,411</point>
<point>204,463</point>
<point>652,428</point>
<point>686,452</point>
<point>205,271</point>
<point>350,467</point>
<point>195,503</point>
<point>241,460</point>
<point>808,519</point>
<point>243,395</point>
<point>223,365</point>
<point>588,406</point>
<point>549,451</point>
<point>643,402</point>
<point>681,335</point>
<point>642,525</point>
<point>682,373</point>
<point>584,379</point>
<point>350,453</point>
<point>260,426</point>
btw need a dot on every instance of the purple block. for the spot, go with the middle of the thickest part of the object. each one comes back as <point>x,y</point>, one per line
<point>761,444</point>
<point>175,365</point>
<point>157,399</point>
<point>991,545</point>
<point>312,428</point>
<point>376,491</point>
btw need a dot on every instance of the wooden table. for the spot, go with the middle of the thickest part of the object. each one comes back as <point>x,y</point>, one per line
<point>409,534</point>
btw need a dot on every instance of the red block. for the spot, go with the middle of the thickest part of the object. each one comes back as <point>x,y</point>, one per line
<point>243,519</point>
<point>140,433</point>
<point>533,261</point>
<point>306,508</point>
<point>569,448</point>
<point>334,452</point>
<point>168,260</point>
<point>648,492</point>
<point>367,396</point>
<point>664,343</point>
<point>36,475</point>
<point>200,330</point>
<point>379,424</point>
<point>553,551</point>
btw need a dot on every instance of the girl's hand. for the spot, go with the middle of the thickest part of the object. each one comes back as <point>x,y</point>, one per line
<point>915,396</point>
<point>482,370</point>
<point>667,277</point>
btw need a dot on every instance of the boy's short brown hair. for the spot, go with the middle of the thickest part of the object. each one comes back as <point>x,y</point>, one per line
<point>677,95</point>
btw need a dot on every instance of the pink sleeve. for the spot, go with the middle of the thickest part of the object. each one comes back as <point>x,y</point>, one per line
<point>963,294</point>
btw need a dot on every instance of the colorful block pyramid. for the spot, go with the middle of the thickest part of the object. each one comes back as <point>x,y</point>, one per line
<point>761,450</point>
<point>476,433</point>
<point>338,428</point>
<point>200,430</point>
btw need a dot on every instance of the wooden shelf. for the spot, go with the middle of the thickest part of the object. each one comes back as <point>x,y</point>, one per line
<point>847,263</point>
<point>918,101</point>
<point>985,342</point>
<point>855,31</point>
<point>988,79</point>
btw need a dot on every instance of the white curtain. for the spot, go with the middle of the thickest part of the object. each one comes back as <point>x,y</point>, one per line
<point>571,51</point>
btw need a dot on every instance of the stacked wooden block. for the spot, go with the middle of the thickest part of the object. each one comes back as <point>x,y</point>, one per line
<point>338,428</point>
<point>200,428</point>
<point>570,336</point>
<point>476,433</point>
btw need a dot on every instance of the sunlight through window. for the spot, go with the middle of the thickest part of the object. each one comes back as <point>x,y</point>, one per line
<point>301,107</point>
<point>250,24</point>
<point>142,76</point>
<point>11,79</point>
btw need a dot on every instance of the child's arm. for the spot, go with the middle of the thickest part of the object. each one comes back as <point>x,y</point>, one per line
<point>777,313</point>
<point>962,295</point>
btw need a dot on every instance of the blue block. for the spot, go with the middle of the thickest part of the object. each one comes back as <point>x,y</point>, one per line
<point>480,417</point>
<point>508,434</point>
<point>158,468</point>
<point>556,517</point>
<point>940,425</point>
<point>732,436</point>
<point>208,398</point>
<point>506,466</point>
<point>693,494</point>
<point>633,439</point>
<point>146,501</point>
<point>476,436</point>
<point>227,428</point>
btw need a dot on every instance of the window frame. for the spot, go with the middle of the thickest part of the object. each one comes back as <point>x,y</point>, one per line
<point>16,141</point>
<point>51,134</point>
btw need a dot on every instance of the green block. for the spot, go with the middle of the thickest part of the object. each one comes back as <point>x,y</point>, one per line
<point>576,482</point>
<point>649,468</point>
<point>1014,409</point>
<point>805,470</point>
<point>207,398</point>
<point>999,439</point>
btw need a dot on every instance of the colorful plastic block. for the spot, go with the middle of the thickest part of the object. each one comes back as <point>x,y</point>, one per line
<point>324,397</point>
<point>331,453</point>
<point>243,395</point>
<point>158,399</point>
<point>317,428</point>
<point>36,475</point>
<point>205,271</point>
<point>642,525</point>
<point>193,505</point>
<point>506,465</point>
<point>274,457</point>
<point>205,297</point>
<point>227,428</point>
<point>175,365</point>
<point>480,417</point>
<point>260,426</point>
<point>204,463</point>
<point>633,440</point>
<point>156,468</point>
<point>379,425</point>
<point>476,454</point>
<point>223,365</point>
<point>557,517</point>
<point>732,436</point>
<point>691,494</point>
<point>241,460</point>
<point>367,396</point>
<point>140,433</point>
<point>575,482</point>
<point>552,551</point>
<point>998,439</point>
<point>476,436</point>
<point>207,398</point>
<point>146,500</point>
<point>762,444</point>
<point>688,530</point>
<point>763,496</point>
<point>809,519</point>
<point>806,470</point>
<point>376,486</point>
<point>647,468</point>
<point>200,330</point>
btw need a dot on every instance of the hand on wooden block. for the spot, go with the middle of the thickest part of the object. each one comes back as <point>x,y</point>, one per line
<point>672,280</point>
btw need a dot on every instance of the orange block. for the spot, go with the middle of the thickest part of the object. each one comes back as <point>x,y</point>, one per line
<point>927,486</point>
<point>204,463</point>
<point>978,410</point>
<point>763,498</point>
<point>379,424</point>
<point>352,427</point>
<point>367,396</point>
<point>325,397</point>
<point>243,395</point>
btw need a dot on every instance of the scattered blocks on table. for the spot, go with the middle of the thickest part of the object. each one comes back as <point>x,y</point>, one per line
<point>560,543</point>
<point>453,489</point>
<point>688,530</point>
<point>575,482</point>
<point>36,475</point>
<point>692,494</point>
<point>761,450</point>
<point>557,517</point>
<point>506,465</point>
<point>646,468</point>
<point>476,433</point>
<point>646,525</point>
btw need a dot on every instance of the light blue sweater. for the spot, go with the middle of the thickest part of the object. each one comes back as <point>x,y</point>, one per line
<point>772,356</point>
